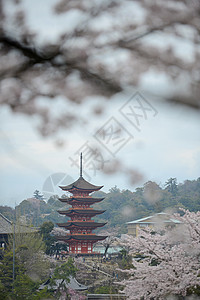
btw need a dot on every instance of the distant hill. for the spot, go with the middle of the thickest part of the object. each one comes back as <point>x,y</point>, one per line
<point>121,205</point>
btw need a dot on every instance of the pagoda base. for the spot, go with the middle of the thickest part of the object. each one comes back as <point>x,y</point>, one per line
<point>80,247</point>
<point>93,254</point>
<point>81,244</point>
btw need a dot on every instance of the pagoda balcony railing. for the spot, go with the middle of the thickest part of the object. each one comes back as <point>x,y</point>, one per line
<point>77,196</point>
<point>80,196</point>
<point>91,208</point>
<point>69,221</point>
<point>81,207</point>
<point>83,234</point>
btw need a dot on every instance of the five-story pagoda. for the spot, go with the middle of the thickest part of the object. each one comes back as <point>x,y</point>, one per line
<point>81,238</point>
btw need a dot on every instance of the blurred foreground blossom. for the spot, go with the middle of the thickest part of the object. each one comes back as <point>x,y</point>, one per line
<point>102,49</point>
<point>152,192</point>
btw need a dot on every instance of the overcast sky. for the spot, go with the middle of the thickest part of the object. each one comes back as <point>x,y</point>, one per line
<point>166,145</point>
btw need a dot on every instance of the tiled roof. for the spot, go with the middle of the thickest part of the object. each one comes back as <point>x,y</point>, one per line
<point>81,212</point>
<point>73,284</point>
<point>81,184</point>
<point>5,225</point>
<point>81,199</point>
<point>81,224</point>
<point>82,237</point>
<point>159,217</point>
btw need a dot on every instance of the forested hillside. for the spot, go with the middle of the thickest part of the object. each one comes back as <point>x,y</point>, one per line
<point>121,205</point>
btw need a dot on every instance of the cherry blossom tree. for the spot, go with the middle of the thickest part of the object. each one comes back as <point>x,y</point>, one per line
<point>170,263</point>
<point>74,295</point>
<point>111,239</point>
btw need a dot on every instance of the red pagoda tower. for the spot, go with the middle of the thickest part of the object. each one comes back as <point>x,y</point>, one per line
<point>81,238</point>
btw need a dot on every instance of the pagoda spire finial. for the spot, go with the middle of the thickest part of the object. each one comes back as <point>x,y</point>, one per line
<point>81,167</point>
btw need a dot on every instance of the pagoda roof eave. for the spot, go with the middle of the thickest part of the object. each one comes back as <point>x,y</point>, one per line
<point>81,199</point>
<point>80,211</point>
<point>81,184</point>
<point>81,224</point>
<point>82,237</point>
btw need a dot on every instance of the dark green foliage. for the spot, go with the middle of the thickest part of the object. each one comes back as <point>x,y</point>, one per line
<point>121,205</point>
<point>43,294</point>
<point>171,186</point>
<point>37,195</point>
<point>46,228</point>
<point>194,291</point>
<point>8,212</point>
<point>124,260</point>
<point>63,272</point>
<point>54,203</point>
<point>6,274</point>
<point>45,231</point>
<point>38,211</point>
<point>106,289</point>
<point>24,287</point>
<point>34,210</point>
<point>27,289</point>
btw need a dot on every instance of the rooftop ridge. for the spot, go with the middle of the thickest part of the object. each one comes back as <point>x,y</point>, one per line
<point>6,219</point>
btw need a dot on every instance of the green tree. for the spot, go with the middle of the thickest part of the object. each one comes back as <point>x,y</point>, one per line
<point>171,186</point>
<point>106,289</point>
<point>30,251</point>
<point>24,287</point>
<point>6,274</point>
<point>27,289</point>
<point>63,272</point>
<point>37,195</point>
<point>45,231</point>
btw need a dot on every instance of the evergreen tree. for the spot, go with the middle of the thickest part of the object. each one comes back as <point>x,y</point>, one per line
<point>171,186</point>
<point>63,272</point>
<point>45,231</point>
<point>37,195</point>
<point>24,287</point>
<point>6,273</point>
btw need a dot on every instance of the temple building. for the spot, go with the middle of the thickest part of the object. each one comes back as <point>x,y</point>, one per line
<point>154,222</point>
<point>81,237</point>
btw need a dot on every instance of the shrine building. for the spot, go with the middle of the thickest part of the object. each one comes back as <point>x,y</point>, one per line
<point>81,225</point>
